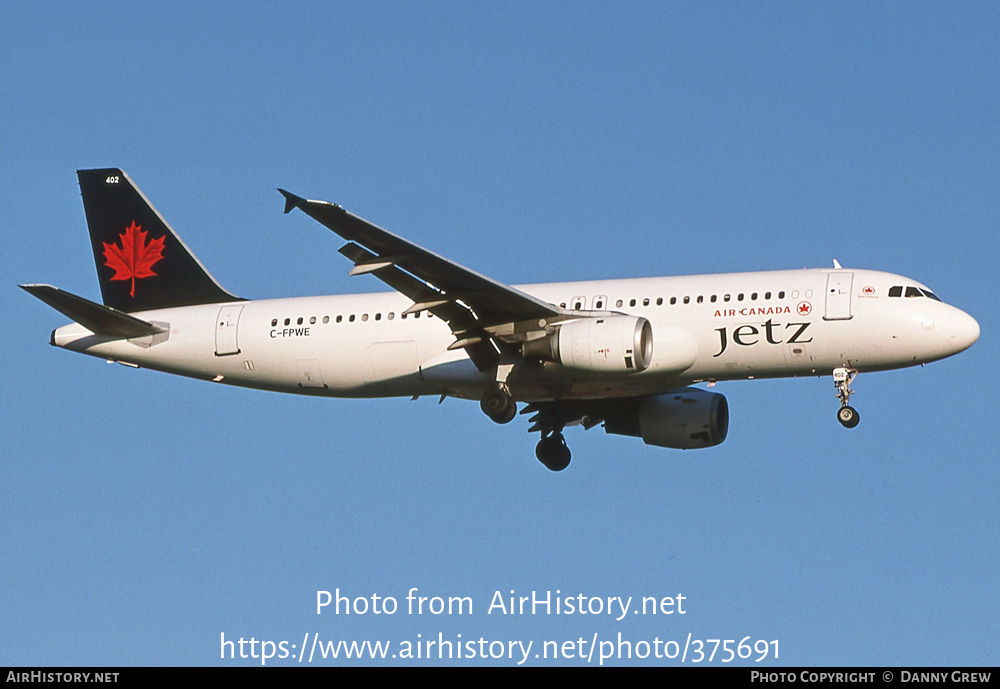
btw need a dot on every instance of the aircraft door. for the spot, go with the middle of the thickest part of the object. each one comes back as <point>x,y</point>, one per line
<point>600,302</point>
<point>579,303</point>
<point>225,330</point>
<point>838,296</point>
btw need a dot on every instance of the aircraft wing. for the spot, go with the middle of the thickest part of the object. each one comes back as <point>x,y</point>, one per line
<point>476,307</point>
<point>493,302</point>
<point>554,416</point>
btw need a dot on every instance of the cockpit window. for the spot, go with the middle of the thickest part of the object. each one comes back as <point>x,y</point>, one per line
<point>897,291</point>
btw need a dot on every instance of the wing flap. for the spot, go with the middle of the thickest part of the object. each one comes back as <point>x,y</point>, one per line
<point>426,298</point>
<point>556,415</point>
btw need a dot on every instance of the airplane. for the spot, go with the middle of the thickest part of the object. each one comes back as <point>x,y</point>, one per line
<point>624,353</point>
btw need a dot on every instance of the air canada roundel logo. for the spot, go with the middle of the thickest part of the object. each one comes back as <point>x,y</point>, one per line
<point>135,257</point>
<point>804,308</point>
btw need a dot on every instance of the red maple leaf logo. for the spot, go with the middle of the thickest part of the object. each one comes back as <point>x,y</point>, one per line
<point>804,308</point>
<point>136,257</point>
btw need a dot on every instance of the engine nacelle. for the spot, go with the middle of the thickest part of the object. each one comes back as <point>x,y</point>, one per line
<point>684,420</point>
<point>610,344</point>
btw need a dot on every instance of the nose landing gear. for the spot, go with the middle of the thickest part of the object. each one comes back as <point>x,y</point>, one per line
<point>842,379</point>
<point>848,417</point>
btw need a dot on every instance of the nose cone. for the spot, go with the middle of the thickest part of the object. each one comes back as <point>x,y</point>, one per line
<point>963,331</point>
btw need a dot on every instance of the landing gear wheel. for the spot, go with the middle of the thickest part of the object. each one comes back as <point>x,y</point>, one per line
<point>842,379</point>
<point>553,452</point>
<point>848,417</point>
<point>498,405</point>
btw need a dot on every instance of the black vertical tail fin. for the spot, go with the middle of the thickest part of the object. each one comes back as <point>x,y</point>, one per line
<point>141,262</point>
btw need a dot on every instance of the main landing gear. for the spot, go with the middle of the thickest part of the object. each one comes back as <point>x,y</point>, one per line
<point>498,404</point>
<point>553,452</point>
<point>842,379</point>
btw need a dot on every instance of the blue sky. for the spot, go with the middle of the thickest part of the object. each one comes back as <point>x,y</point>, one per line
<point>142,516</point>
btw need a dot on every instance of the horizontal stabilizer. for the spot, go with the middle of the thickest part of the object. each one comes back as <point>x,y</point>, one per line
<point>99,319</point>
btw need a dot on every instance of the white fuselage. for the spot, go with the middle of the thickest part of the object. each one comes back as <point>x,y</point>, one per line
<point>705,328</point>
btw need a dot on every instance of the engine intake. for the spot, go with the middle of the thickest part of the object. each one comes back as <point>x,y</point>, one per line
<point>684,420</point>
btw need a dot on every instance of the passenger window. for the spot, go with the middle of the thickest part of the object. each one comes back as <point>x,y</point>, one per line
<point>287,321</point>
<point>391,315</point>
<point>645,302</point>
<point>312,320</point>
<point>781,294</point>
<point>631,302</point>
<point>753,297</point>
<point>618,303</point>
<point>673,300</point>
<point>364,317</point>
<point>326,319</point>
<point>739,297</point>
<point>274,322</point>
<point>378,316</point>
<point>659,301</point>
<point>726,297</point>
<point>767,295</point>
<point>687,300</point>
<point>340,319</point>
<point>299,321</point>
<point>700,299</point>
<point>713,299</point>
<point>351,319</point>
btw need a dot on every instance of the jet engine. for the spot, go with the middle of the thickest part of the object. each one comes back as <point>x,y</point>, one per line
<point>611,344</point>
<point>686,419</point>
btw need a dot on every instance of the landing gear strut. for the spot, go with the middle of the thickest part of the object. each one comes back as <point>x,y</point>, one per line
<point>842,379</point>
<point>498,404</point>
<point>553,452</point>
